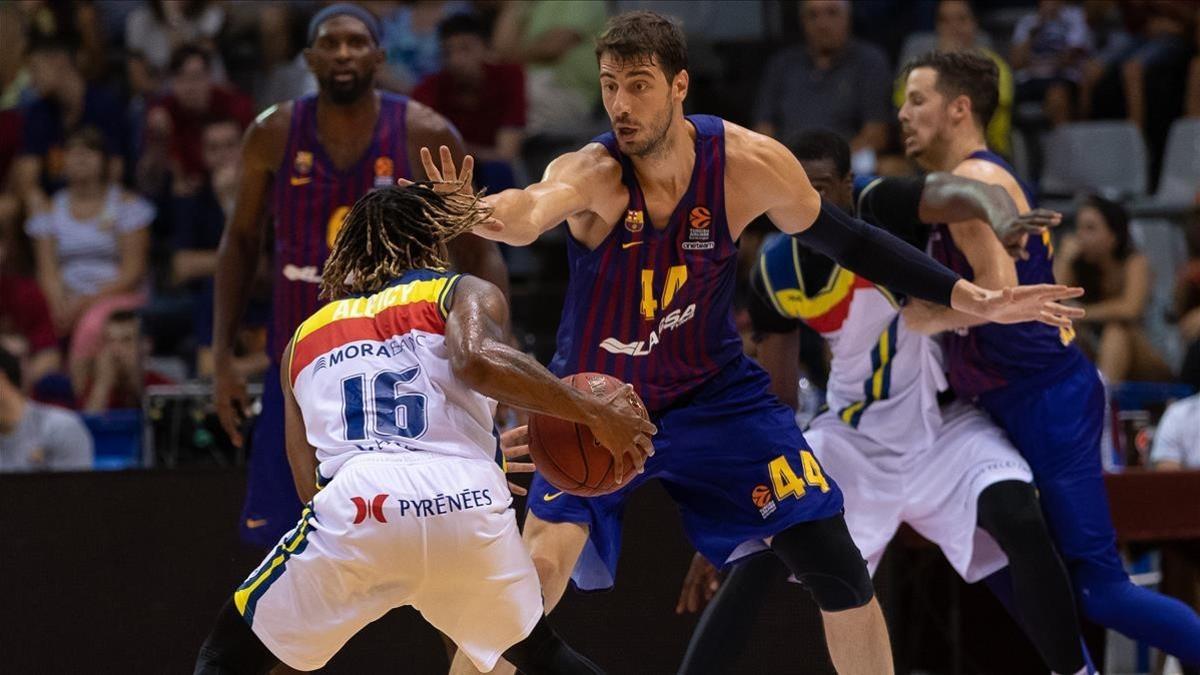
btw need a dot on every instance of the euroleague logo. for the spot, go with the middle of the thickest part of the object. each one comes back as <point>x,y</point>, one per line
<point>762,498</point>
<point>699,232</point>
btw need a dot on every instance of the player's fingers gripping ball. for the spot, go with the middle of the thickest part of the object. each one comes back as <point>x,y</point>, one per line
<point>567,454</point>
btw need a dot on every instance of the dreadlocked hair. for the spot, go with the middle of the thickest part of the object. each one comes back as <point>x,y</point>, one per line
<point>394,229</point>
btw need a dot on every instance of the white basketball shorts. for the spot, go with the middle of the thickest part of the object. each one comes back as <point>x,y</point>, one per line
<point>934,489</point>
<point>430,531</point>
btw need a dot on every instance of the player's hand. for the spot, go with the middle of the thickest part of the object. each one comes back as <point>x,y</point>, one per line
<point>1018,304</point>
<point>229,394</point>
<point>514,443</point>
<point>623,427</point>
<point>699,586</point>
<point>1015,232</point>
<point>448,178</point>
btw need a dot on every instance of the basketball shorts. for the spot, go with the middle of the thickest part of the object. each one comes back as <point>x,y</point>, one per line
<point>731,457</point>
<point>1056,423</point>
<point>271,505</point>
<point>935,489</point>
<point>433,532</point>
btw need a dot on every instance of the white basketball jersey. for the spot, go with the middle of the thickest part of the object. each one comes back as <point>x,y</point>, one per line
<point>372,375</point>
<point>883,378</point>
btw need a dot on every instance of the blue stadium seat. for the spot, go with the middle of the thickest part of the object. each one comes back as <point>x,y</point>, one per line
<point>117,436</point>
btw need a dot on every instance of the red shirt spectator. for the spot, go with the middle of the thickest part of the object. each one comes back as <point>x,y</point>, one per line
<point>195,100</point>
<point>485,101</point>
<point>23,311</point>
<point>478,112</point>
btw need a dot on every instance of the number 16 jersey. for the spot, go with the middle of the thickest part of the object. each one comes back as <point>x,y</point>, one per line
<point>372,374</point>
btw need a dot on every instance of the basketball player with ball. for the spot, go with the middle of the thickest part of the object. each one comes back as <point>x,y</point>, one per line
<point>390,395</point>
<point>654,210</point>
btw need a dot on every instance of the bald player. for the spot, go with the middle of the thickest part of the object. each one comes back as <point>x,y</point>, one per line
<point>305,162</point>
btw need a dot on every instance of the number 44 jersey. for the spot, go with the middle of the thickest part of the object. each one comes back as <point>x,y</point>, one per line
<point>371,374</point>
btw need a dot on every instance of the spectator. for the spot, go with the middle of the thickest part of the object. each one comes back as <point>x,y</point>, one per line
<point>1116,278</point>
<point>34,436</point>
<point>159,27</point>
<point>1156,39</point>
<point>1177,439</point>
<point>958,29</point>
<point>1049,47</point>
<point>117,376</point>
<point>144,83</point>
<point>284,75</point>
<point>832,81</point>
<point>91,247</point>
<point>485,101</point>
<point>15,85</point>
<point>553,39</point>
<point>410,39</point>
<point>24,315</point>
<point>66,103</point>
<point>176,123</point>
<point>197,222</point>
<point>1187,309</point>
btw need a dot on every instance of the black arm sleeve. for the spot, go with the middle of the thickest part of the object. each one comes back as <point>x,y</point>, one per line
<point>878,256</point>
<point>895,205</point>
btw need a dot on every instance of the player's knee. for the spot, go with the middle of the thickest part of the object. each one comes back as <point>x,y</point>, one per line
<point>823,557</point>
<point>1010,512</point>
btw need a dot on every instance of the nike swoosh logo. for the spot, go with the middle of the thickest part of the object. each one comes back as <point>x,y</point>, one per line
<point>301,181</point>
<point>255,523</point>
<point>551,497</point>
<point>631,244</point>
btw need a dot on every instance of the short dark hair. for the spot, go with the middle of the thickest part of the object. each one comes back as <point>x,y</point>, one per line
<point>89,137</point>
<point>964,73</point>
<point>819,144</point>
<point>463,23</point>
<point>183,52</point>
<point>645,36</point>
<point>10,367</point>
<point>123,316</point>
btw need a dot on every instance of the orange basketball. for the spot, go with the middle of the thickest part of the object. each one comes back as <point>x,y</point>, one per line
<point>566,453</point>
<point>761,496</point>
<point>700,217</point>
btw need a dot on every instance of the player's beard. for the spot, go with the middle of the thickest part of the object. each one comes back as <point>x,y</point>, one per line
<point>348,92</point>
<point>657,137</point>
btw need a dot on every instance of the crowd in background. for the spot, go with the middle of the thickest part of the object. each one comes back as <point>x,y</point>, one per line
<point>120,126</point>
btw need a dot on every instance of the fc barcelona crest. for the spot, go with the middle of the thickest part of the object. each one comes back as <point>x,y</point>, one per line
<point>634,220</point>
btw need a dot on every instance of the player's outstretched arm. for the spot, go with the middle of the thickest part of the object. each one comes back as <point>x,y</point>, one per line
<point>237,261</point>
<point>573,183</point>
<point>898,203</point>
<point>302,457</point>
<point>776,180</point>
<point>481,357</point>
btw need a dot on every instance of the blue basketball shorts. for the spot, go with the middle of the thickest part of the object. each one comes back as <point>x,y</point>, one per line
<point>732,459</point>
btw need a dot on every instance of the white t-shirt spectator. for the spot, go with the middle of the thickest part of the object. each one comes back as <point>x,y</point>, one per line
<point>1177,438</point>
<point>46,439</point>
<point>88,250</point>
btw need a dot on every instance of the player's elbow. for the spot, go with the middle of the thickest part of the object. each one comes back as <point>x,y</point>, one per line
<point>475,366</point>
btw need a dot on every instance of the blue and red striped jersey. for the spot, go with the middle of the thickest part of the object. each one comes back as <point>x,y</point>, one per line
<point>310,200</point>
<point>652,304</point>
<point>991,356</point>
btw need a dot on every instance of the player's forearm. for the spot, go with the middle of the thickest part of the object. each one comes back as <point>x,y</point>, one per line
<point>879,256</point>
<point>947,198</point>
<point>237,260</point>
<point>929,319</point>
<point>514,378</point>
<point>525,214</point>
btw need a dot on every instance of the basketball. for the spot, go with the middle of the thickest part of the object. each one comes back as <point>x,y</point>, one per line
<point>566,453</point>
